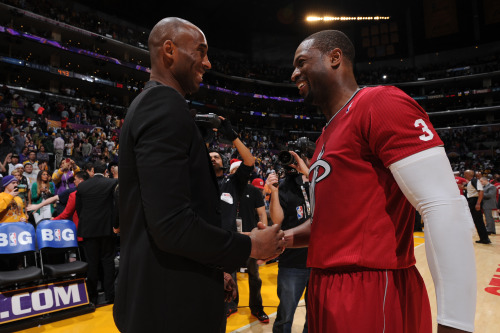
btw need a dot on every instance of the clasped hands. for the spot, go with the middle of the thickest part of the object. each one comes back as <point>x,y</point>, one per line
<point>267,242</point>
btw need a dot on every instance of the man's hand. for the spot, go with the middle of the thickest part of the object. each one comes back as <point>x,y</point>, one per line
<point>14,193</point>
<point>260,262</point>
<point>478,206</point>
<point>230,289</point>
<point>30,208</point>
<point>300,165</point>
<point>267,242</point>
<point>227,130</point>
<point>271,181</point>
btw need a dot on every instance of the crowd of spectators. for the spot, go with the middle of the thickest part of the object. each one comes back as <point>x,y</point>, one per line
<point>107,118</point>
<point>467,146</point>
<point>433,99</point>
<point>89,131</point>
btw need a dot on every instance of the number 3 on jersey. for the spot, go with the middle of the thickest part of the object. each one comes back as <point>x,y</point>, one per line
<point>428,134</point>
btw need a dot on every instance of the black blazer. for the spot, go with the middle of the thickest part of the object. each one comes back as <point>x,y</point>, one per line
<point>173,250</point>
<point>94,205</point>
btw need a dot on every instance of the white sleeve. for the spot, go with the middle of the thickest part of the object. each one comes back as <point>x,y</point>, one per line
<point>428,183</point>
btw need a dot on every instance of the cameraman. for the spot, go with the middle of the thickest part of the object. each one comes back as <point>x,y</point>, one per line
<point>290,207</point>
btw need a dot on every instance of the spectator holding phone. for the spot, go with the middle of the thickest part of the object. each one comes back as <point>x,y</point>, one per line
<point>40,190</point>
<point>11,205</point>
<point>64,177</point>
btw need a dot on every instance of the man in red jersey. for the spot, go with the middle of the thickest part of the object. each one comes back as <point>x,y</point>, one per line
<point>461,182</point>
<point>363,276</point>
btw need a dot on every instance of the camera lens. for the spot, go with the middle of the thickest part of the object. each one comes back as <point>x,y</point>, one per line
<point>285,158</point>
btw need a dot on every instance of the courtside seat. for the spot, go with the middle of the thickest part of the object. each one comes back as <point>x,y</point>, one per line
<point>65,269</point>
<point>17,242</point>
<point>59,237</point>
<point>21,276</point>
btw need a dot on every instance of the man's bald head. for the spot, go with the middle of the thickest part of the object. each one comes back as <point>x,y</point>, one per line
<point>468,174</point>
<point>167,29</point>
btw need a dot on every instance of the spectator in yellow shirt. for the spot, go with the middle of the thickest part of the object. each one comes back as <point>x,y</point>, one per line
<point>11,205</point>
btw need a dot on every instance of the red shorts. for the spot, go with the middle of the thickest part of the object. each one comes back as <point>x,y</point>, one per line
<point>385,301</point>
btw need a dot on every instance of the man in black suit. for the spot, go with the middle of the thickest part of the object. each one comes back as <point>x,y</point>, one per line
<point>173,249</point>
<point>94,205</point>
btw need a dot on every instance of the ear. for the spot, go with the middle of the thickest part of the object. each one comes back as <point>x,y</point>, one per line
<point>335,57</point>
<point>168,49</point>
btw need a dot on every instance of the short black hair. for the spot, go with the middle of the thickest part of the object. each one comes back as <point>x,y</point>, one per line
<point>99,167</point>
<point>110,165</point>
<point>88,166</point>
<point>215,151</point>
<point>82,175</point>
<point>327,40</point>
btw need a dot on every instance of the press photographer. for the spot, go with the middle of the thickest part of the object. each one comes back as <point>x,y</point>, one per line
<point>302,147</point>
<point>291,206</point>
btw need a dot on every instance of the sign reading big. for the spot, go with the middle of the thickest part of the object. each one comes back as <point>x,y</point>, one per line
<point>38,300</point>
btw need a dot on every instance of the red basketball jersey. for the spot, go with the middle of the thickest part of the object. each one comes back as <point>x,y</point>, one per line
<point>461,181</point>
<point>361,217</point>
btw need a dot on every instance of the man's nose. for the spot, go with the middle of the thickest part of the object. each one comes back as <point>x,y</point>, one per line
<point>295,73</point>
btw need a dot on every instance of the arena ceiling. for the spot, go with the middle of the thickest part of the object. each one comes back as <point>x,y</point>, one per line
<point>253,25</point>
<point>230,24</point>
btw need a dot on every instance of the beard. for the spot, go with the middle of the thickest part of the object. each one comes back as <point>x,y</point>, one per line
<point>217,167</point>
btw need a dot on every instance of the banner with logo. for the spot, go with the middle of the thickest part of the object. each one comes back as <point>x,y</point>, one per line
<point>35,301</point>
<point>56,234</point>
<point>16,237</point>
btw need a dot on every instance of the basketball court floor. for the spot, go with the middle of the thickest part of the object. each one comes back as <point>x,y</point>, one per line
<point>487,316</point>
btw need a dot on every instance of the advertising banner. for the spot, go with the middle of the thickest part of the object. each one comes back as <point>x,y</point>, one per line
<point>38,300</point>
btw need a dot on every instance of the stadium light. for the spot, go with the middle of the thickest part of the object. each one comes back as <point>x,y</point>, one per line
<point>346,18</point>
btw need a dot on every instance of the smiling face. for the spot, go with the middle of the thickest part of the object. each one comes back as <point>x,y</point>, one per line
<point>311,72</point>
<point>28,168</point>
<point>190,59</point>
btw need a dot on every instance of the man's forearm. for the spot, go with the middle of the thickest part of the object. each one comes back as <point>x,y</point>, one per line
<point>244,152</point>
<point>298,236</point>
<point>261,211</point>
<point>480,197</point>
<point>275,209</point>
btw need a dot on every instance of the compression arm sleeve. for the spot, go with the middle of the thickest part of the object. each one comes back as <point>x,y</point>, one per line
<point>427,181</point>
